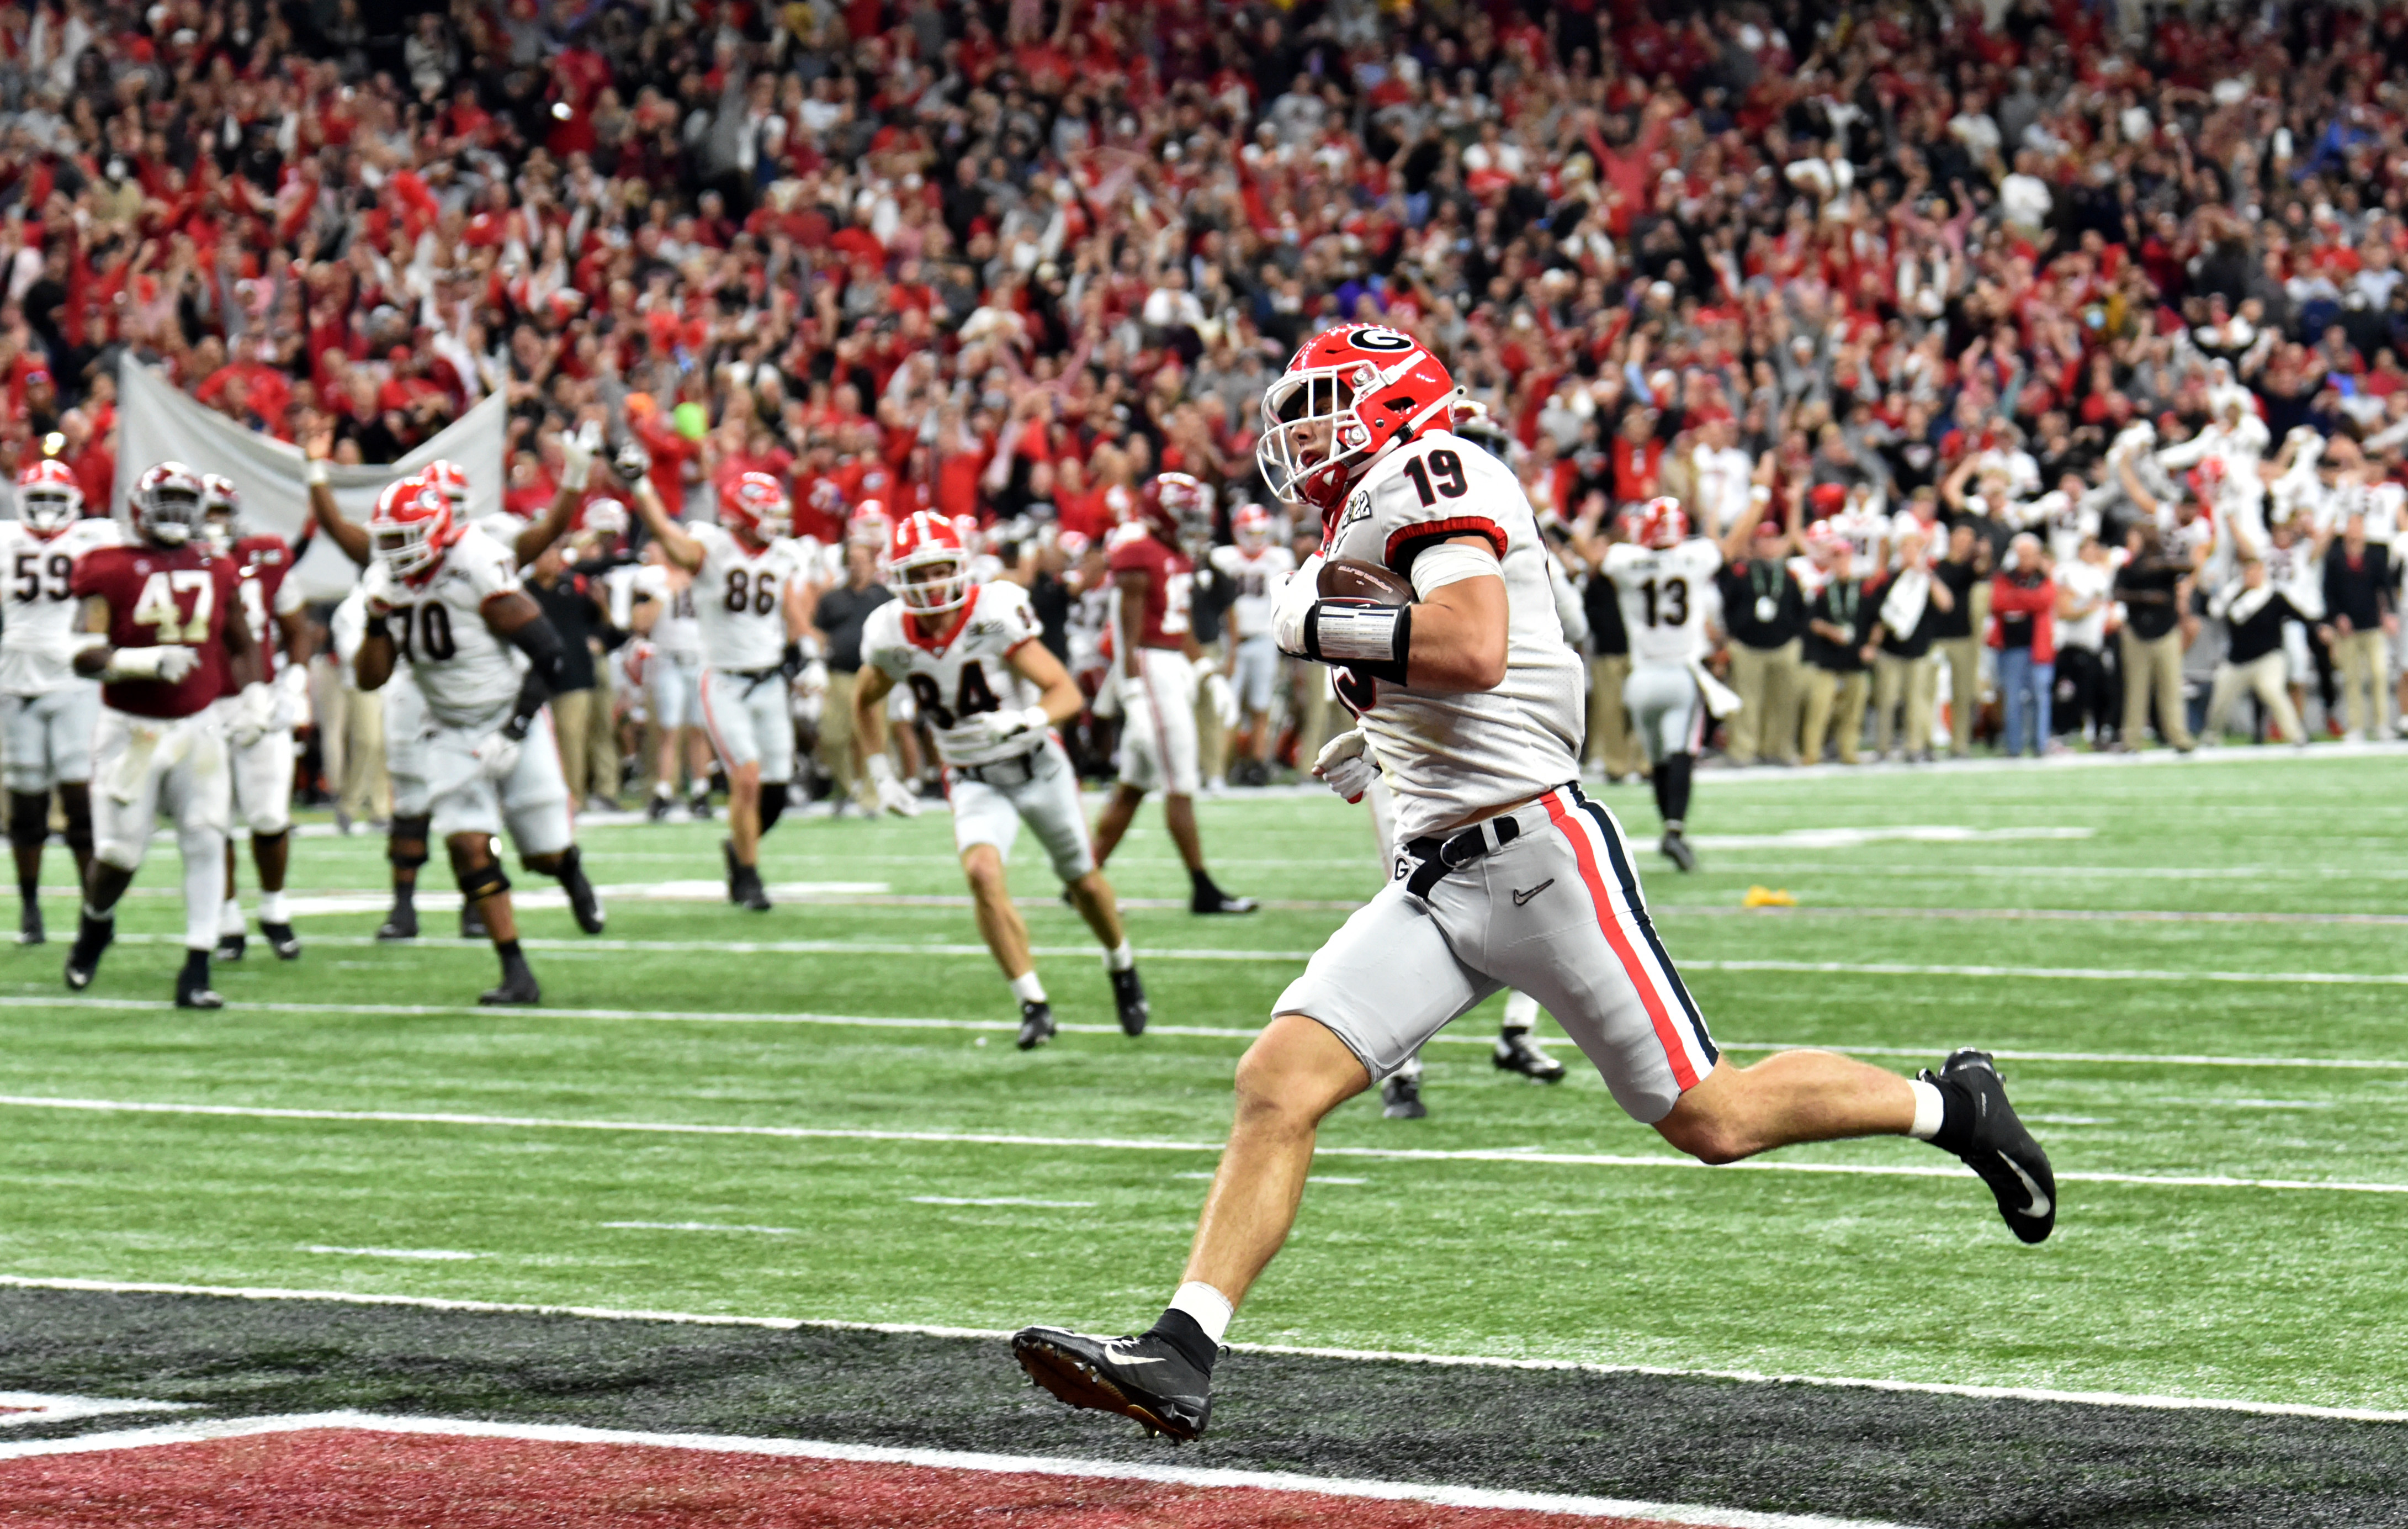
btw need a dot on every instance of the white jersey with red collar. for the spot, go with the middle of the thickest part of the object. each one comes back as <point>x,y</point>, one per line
<point>1453,755</point>
<point>37,606</point>
<point>468,674</point>
<point>1257,577</point>
<point>967,672</point>
<point>740,598</point>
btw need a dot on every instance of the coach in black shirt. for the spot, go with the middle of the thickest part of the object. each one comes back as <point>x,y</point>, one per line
<point>2153,586</point>
<point>2360,613</point>
<point>580,711</point>
<point>1837,683</point>
<point>1612,745</point>
<point>1764,613</point>
<point>839,615</point>
<point>2254,612</point>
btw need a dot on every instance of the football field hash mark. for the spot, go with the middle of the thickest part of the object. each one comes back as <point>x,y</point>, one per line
<point>429,1255</point>
<point>1003,1200</point>
<point>702,1226</point>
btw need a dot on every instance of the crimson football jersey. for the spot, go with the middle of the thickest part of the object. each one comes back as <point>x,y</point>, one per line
<point>158,597</point>
<point>1171,584</point>
<point>262,563</point>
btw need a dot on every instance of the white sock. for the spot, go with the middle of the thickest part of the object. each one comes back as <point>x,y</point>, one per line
<point>230,916</point>
<point>663,788</point>
<point>1027,988</point>
<point>1521,1010</point>
<point>204,888</point>
<point>271,908</point>
<point>1210,1307</point>
<point>1929,1109</point>
<point>1120,958</point>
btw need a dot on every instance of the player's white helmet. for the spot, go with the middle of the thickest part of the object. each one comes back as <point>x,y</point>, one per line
<point>167,504</point>
<point>220,511</point>
<point>49,497</point>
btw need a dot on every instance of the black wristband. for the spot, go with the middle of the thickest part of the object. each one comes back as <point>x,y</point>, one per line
<point>1390,666</point>
<point>377,628</point>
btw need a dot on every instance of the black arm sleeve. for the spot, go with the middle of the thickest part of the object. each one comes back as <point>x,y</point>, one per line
<point>547,660</point>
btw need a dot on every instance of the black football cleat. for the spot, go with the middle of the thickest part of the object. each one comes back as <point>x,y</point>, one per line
<point>1217,901</point>
<point>698,808</point>
<point>1035,1025</point>
<point>281,939</point>
<point>472,923</point>
<point>744,887</point>
<point>92,936</point>
<point>585,902</point>
<point>400,924</point>
<point>1129,997</point>
<point>1676,849</point>
<point>230,948</point>
<point>1517,1052</point>
<point>29,926</point>
<point>192,990</point>
<point>659,810</point>
<point>1997,1146</point>
<point>518,989</point>
<point>1401,1099</point>
<point>1141,1377</point>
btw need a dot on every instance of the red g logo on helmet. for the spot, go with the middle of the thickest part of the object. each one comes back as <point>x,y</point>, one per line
<point>49,497</point>
<point>759,507</point>
<point>929,564</point>
<point>1348,397</point>
<point>411,527</point>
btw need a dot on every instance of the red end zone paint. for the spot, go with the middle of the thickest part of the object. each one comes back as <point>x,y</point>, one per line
<point>349,1479</point>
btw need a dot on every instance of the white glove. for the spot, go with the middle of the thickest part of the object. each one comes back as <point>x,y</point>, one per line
<point>893,795</point>
<point>1296,598</point>
<point>988,729</point>
<point>254,715</point>
<point>1224,699</point>
<point>1345,765</point>
<point>577,454</point>
<point>498,755</point>
<point>168,664</point>
<point>291,699</point>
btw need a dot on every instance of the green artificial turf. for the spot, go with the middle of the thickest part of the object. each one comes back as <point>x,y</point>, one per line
<point>2238,1291</point>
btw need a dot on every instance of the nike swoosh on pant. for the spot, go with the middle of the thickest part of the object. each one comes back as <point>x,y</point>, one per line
<point>1520,898</point>
<point>2039,1205</point>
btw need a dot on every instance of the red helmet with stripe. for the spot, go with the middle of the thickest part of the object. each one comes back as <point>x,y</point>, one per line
<point>1662,523</point>
<point>928,564</point>
<point>49,497</point>
<point>412,527</point>
<point>1251,525</point>
<point>759,508</point>
<point>450,479</point>
<point>1348,397</point>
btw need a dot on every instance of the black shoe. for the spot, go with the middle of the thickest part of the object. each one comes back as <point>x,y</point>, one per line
<point>1129,997</point>
<point>518,987</point>
<point>1035,1025</point>
<point>585,902</point>
<point>281,939</point>
<point>1996,1145</point>
<point>659,811</point>
<point>472,923</point>
<point>192,990</point>
<point>92,936</point>
<point>744,887</point>
<point>698,808</point>
<point>29,926</point>
<point>1676,849</point>
<point>230,948</point>
<point>1401,1099</point>
<point>1516,1052</point>
<point>1217,901</point>
<point>1141,1378</point>
<point>400,924</point>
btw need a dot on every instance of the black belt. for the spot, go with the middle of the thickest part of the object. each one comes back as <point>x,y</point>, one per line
<point>1440,857</point>
<point>755,678</point>
<point>1026,763</point>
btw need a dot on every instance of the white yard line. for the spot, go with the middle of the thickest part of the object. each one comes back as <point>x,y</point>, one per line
<point>1123,1144</point>
<point>788,1324</point>
<point>429,1255</point>
<point>701,1226</point>
<point>949,1460</point>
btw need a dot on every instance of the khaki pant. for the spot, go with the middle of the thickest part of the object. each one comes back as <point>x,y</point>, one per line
<point>2361,658</point>
<point>1835,698</point>
<point>838,753</point>
<point>2153,667</point>
<point>1963,657</point>
<point>351,744</point>
<point>1317,713</point>
<point>588,745</point>
<point>1913,681</point>
<point>2267,678</point>
<point>1611,743</point>
<point>1770,683</point>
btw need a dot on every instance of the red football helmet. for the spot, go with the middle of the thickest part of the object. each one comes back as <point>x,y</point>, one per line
<point>606,518</point>
<point>49,498</point>
<point>220,511</point>
<point>450,479</point>
<point>1662,523</point>
<point>758,508</point>
<point>167,504</point>
<point>928,564</point>
<point>1252,527</point>
<point>1347,397</point>
<point>411,527</point>
<point>1176,508</point>
<point>869,525</point>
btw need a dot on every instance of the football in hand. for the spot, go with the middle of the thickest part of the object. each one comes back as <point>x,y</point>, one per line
<point>1354,579</point>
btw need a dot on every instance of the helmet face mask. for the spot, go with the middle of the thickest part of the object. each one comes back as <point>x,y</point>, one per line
<point>928,566</point>
<point>49,498</point>
<point>167,504</point>
<point>1347,397</point>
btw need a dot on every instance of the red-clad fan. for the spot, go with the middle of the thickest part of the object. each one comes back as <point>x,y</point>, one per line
<point>1158,667</point>
<point>165,640</point>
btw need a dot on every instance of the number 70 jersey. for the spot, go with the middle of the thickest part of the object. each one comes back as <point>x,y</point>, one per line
<point>969,672</point>
<point>1663,594</point>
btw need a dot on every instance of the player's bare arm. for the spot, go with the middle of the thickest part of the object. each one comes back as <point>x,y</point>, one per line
<point>1059,698</point>
<point>1132,586</point>
<point>679,547</point>
<point>350,535</point>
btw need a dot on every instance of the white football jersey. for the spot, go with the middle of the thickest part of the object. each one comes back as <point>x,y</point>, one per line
<point>969,673</point>
<point>468,675</point>
<point>1663,594</point>
<point>37,640</point>
<point>676,630</point>
<point>740,598</point>
<point>1256,576</point>
<point>1450,756</point>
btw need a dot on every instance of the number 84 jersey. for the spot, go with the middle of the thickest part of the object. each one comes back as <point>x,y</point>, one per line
<point>740,598</point>
<point>1663,594</point>
<point>965,669</point>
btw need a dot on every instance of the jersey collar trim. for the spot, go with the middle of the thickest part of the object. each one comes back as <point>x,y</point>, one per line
<point>938,644</point>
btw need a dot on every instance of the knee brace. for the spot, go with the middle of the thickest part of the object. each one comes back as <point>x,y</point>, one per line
<point>407,847</point>
<point>773,803</point>
<point>483,881</point>
<point>76,801</point>
<point>29,819</point>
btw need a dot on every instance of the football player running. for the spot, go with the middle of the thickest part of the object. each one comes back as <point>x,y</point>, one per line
<point>444,598</point>
<point>749,607</point>
<point>1505,874</point>
<point>992,694</point>
<point>262,766</point>
<point>1255,567</point>
<point>1159,659</point>
<point>162,633</point>
<point>46,710</point>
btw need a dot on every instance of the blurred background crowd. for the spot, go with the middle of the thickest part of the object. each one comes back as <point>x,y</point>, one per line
<point>2083,321</point>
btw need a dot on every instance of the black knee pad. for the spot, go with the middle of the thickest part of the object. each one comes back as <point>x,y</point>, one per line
<point>76,801</point>
<point>407,847</point>
<point>29,819</point>
<point>483,881</point>
<point>773,803</point>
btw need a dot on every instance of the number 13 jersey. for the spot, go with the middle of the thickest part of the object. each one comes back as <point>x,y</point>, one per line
<point>968,672</point>
<point>740,598</point>
<point>1663,594</point>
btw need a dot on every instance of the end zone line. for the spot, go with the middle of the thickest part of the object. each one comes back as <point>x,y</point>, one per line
<point>950,1459</point>
<point>1480,1362</point>
<point>1119,1143</point>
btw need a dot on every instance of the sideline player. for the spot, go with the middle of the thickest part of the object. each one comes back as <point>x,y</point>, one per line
<point>405,728</point>
<point>444,598</point>
<point>1153,579</point>
<point>992,694</point>
<point>262,769</point>
<point>46,710</point>
<point>751,616</point>
<point>673,685</point>
<point>1506,874</point>
<point>171,644</point>
<point>1255,567</point>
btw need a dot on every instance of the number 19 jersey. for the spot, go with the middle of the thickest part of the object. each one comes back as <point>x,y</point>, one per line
<point>740,598</point>
<point>1663,594</point>
<point>967,672</point>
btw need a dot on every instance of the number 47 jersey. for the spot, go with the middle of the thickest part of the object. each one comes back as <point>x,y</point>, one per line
<point>963,671</point>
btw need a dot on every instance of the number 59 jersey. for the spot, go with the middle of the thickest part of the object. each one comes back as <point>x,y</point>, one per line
<point>740,598</point>
<point>1452,754</point>
<point>1663,594</point>
<point>468,676</point>
<point>37,638</point>
<point>965,672</point>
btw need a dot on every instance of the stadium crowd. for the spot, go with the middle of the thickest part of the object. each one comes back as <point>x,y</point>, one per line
<point>2038,364</point>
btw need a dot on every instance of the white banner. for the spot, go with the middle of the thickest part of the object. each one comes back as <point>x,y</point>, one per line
<point>159,422</point>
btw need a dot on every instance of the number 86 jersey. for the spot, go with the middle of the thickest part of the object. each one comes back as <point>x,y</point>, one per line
<point>740,598</point>
<point>965,669</point>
